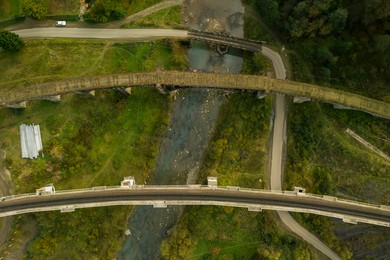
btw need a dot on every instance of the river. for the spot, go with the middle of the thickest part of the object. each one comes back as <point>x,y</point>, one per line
<point>192,123</point>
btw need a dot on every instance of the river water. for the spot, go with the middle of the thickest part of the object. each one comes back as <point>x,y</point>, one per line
<point>191,126</point>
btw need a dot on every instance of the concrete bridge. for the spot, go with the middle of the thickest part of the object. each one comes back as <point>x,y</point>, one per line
<point>191,79</point>
<point>47,199</point>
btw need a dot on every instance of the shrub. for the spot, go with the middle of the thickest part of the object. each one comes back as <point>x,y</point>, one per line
<point>36,9</point>
<point>10,41</point>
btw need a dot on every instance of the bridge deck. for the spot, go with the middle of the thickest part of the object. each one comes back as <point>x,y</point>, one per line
<point>209,80</point>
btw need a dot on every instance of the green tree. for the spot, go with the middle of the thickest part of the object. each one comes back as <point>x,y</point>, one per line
<point>103,11</point>
<point>269,10</point>
<point>36,9</point>
<point>10,41</point>
<point>338,19</point>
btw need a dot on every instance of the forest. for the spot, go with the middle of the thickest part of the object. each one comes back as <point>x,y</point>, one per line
<point>331,35</point>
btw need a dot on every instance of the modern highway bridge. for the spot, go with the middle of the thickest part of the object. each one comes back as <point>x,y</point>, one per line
<point>185,79</point>
<point>162,196</point>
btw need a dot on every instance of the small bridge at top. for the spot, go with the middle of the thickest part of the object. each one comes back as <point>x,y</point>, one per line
<point>192,79</point>
<point>222,39</point>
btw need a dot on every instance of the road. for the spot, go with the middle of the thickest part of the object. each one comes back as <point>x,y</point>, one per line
<point>194,195</point>
<point>89,33</point>
<point>278,141</point>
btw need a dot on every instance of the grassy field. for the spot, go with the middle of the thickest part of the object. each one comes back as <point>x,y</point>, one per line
<point>9,8</point>
<point>88,141</point>
<point>45,60</point>
<point>140,5</point>
<point>167,18</point>
<point>63,7</point>
<point>323,158</point>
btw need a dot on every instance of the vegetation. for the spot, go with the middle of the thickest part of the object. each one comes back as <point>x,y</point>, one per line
<point>10,41</point>
<point>87,141</point>
<point>169,17</point>
<point>45,60</point>
<point>322,157</point>
<point>63,7</point>
<point>331,35</point>
<point>103,11</point>
<point>36,9</point>
<point>237,156</point>
<point>139,5</point>
<point>9,8</point>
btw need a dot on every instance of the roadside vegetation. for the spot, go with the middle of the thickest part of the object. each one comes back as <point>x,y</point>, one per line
<point>324,159</point>
<point>44,60</point>
<point>167,18</point>
<point>9,8</point>
<point>340,44</point>
<point>331,35</point>
<point>10,41</point>
<point>88,141</point>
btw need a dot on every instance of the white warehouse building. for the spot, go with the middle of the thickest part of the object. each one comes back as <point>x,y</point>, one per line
<point>30,139</point>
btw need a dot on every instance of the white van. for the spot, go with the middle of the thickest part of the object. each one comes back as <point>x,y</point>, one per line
<point>61,23</point>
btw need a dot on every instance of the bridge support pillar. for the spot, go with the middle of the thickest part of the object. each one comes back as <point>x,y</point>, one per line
<point>258,209</point>
<point>48,189</point>
<point>128,182</point>
<point>56,98</point>
<point>124,90</point>
<point>161,88</point>
<point>17,105</point>
<point>338,106</point>
<point>350,220</point>
<point>160,204</point>
<point>261,94</point>
<point>212,182</point>
<point>67,209</point>
<point>300,100</point>
<point>89,93</point>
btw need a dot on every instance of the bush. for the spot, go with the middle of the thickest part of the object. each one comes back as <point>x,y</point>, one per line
<point>104,11</point>
<point>36,9</point>
<point>10,41</point>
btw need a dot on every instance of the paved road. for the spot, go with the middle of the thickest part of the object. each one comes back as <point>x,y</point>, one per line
<point>278,141</point>
<point>88,33</point>
<point>190,195</point>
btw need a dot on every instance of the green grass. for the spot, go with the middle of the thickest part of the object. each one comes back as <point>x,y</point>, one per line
<point>9,8</point>
<point>63,7</point>
<point>167,18</point>
<point>139,5</point>
<point>237,152</point>
<point>45,60</point>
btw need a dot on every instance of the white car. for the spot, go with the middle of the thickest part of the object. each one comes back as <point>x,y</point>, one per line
<point>61,23</point>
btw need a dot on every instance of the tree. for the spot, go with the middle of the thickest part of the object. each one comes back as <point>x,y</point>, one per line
<point>103,11</point>
<point>338,19</point>
<point>10,41</point>
<point>36,9</point>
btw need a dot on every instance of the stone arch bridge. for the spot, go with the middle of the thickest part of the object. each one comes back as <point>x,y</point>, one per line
<point>192,79</point>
